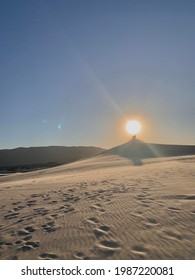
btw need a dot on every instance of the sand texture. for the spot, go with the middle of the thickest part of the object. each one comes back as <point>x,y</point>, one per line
<point>100,208</point>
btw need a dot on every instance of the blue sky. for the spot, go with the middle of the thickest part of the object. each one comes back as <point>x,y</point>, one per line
<point>72,72</point>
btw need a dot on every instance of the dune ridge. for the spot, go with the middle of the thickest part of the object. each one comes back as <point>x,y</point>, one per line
<point>136,148</point>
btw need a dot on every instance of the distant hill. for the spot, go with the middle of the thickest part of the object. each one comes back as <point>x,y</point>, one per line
<point>137,150</point>
<point>52,155</point>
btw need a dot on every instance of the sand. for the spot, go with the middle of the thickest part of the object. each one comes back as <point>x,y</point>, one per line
<point>100,208</point>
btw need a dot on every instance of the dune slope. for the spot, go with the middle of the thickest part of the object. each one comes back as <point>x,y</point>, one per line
<point>100,208</point>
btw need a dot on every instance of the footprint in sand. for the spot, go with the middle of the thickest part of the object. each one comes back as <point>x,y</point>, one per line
<point>101,191</point>
<point>97,207</point>
<point>92,196</point>
<point>54,215</point>
<point>101,231</point>
<point>46,197</point>
<point>4,244</point>
<point>16,209</point>
<point>106,248</point>
<point>36,195</point>
<point>66,208</point>
<point>28,246</point>
<point>93,220</point>
<point>174,209</point>
<point>172,234</point>
<point>105,245</point>
<point>26,231</point>
<point>140,251</point>
<point>141,196</point>
<point>86,193</point>
<point>33,244</point>
<point>71,197</point>
<point>11,216</point>
<point>31,203</point>
<point>27,238</point>
<point>17,242</point>
<point>16,203</point>
<point>145,189</point>
<point>48,256</point>
<point>72,190</point>
<point>151,222</point>
<point>183,197</point>
<point>190,197</point>
<point>80,256</point>
<point>41,211</point>
<point>53,202</point>
<point>49,227</point>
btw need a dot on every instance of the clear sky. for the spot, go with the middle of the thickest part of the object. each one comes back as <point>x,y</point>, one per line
<point>73,71</point>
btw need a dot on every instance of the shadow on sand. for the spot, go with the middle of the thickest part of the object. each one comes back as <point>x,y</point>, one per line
<point>136,150</point>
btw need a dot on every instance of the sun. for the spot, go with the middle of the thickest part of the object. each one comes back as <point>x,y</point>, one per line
<point>133,127</point>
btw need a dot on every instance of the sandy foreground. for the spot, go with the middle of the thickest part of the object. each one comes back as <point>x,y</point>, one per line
<point>100,208</point>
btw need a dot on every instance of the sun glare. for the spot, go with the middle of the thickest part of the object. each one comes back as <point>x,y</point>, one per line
<point>133,127</point>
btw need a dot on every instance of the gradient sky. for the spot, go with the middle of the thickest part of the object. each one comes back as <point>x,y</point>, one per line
<point>72,72</point>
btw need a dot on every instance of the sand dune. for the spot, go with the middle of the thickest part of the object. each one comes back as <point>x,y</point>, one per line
<point>100,208</point>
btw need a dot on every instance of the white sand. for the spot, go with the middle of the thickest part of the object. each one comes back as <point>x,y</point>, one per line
<point>100,208</point>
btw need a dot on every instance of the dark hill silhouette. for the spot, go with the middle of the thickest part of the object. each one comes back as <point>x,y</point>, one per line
<point>43,155</point>
<point>136,150</point>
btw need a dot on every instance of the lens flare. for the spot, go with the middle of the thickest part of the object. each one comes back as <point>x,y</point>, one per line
<point>59,126</point>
